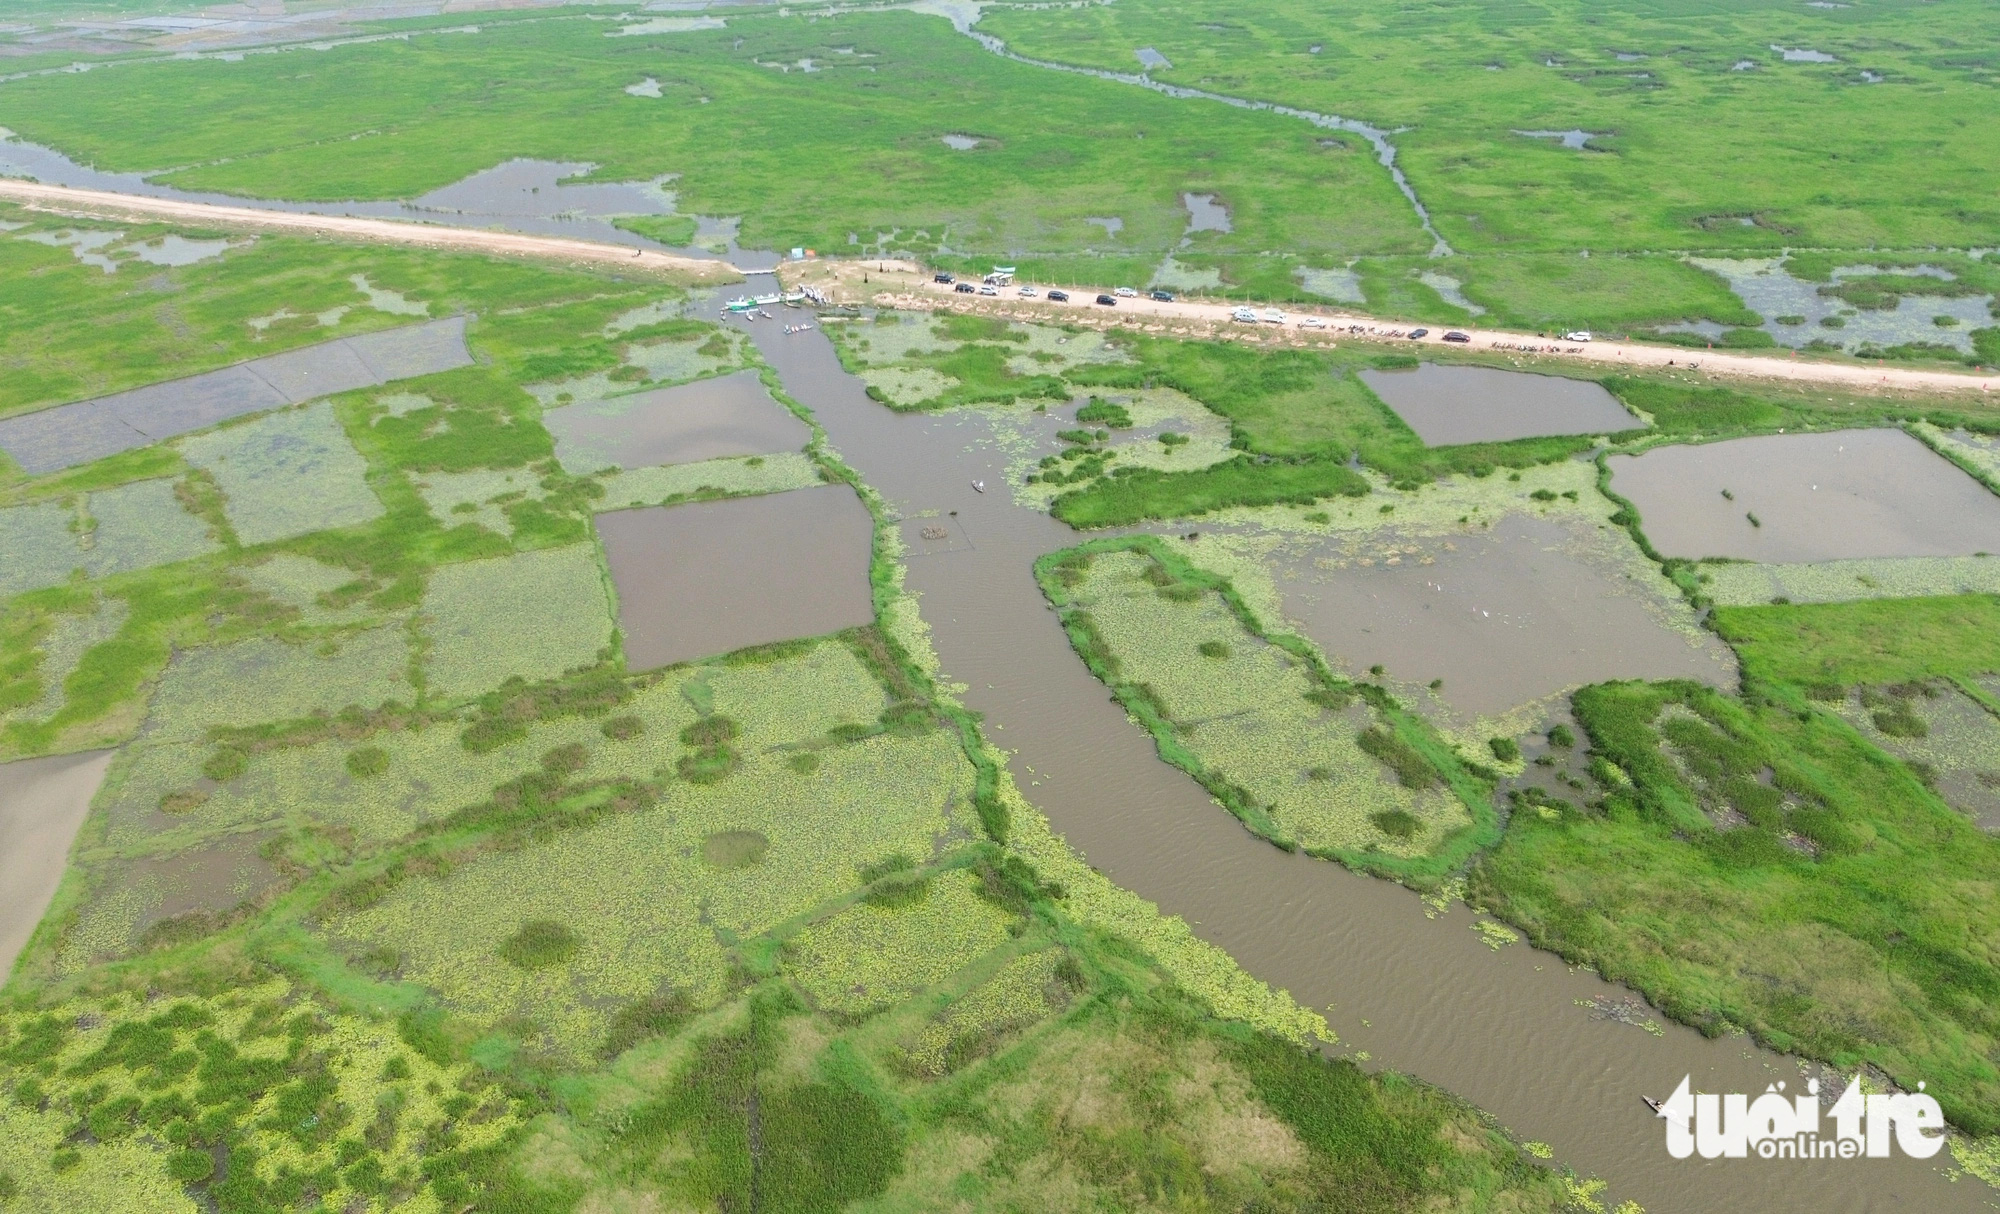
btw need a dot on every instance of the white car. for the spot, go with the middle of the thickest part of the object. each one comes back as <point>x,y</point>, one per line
<point>1027,292</point>
<point>1126,293</point>
<point>1579,335</point>
<point>1273,316</point>
<point>1247,315</point>
<point>1312,322</point>
<point>989,289</point>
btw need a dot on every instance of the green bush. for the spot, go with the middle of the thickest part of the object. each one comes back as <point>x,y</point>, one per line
<point>1504,749</point>
<point>366,761</point>
<point>540,944</point>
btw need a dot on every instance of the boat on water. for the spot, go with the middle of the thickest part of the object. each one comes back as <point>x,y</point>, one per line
<point>761,300</point>
<point>742,303</point>
<point>979,486</point>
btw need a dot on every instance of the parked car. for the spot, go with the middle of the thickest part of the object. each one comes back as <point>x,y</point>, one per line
<point>1578,335</point>
<point>1107,301</point>
<point>965,288</point>
<point>1312,322</point>
<point>1164,296</point>
<point>1247,315</point>
<point>1419,334</point>
<point>944,278</point>
<point>1274,316</point>
<point>1127,293</point>
<point>1455,335</point>
<point>1058,296</point>
<point>989,289</point>
<point>1027,292</point>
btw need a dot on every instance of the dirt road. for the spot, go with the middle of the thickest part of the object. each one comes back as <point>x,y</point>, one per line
<point>893,285</point>
<point>901,284</point>
<point>105,204</point>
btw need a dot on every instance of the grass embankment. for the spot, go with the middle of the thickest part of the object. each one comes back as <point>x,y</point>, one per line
<point>1754,863</point>
<point>1307,760</point>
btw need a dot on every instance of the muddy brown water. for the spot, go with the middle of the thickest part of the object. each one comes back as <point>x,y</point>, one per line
<point>707,419</point>
<point>1816,497</point>
<point>42,804</point>
<point>710,577</point>
<point>1518,612</point>
<point>1449,405</point>
<point>1502,1028</point>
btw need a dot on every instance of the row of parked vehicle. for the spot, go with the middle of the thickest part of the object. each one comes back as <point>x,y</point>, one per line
<point>996,281</point>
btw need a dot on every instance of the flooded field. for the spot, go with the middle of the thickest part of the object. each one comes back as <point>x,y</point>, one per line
<point>520,195</point>
<point>711,577</point>
<point>1511,1029</point>
<point>42,803</point>
<point>707,419</point>
<point>1505,617</point>
<point>1817,314</point>
<point>1450,405</point>
<point>73,434</point>
<point>1808,497</point>
<point>1949,737</point>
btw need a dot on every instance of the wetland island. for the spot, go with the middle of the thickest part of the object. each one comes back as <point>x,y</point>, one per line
<point>999,607</point>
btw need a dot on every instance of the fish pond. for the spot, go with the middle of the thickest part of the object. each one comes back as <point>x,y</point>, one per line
<point>708,419</point>
<point>1782,498</point>
<point>712,577</point>
<point>1505,616</point>
<point>1449,405</point>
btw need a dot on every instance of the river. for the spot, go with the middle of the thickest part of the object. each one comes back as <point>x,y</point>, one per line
<point>1506,1029</point>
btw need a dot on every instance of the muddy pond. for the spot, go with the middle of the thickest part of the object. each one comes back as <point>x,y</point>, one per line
<point>1449,405</point>
<point>707,419</point>
<point>42,803</point>
<point>710,577</point>
<point>1557,1055</point>
<point>1505,616</point>
<point>1808,497</point>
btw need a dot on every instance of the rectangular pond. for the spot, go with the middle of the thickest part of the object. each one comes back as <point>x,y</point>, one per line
<point>67,435</point>
<point>1779,498</point>
<point>710,577</point>
<point>1449,405</point>
<point>1505,616</point>
<point>707,419</point>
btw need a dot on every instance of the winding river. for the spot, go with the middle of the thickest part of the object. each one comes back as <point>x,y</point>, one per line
<point>1512,1030</point>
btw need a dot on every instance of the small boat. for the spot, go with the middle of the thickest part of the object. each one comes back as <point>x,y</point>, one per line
<point>1654,1105</point>
<point>766,315</point>
<point>979,486</point>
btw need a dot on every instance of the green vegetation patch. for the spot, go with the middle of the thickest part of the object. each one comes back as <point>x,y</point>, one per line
<point>1758,865</point>
<point>285,474</point>
<point>532,615</point>
<point>238,1091</point>
<point>1301,757</point>
<point>870,956</point>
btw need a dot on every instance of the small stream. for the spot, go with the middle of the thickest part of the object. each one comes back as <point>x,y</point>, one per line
<point>963,14</point>
<point>1559,1056</point>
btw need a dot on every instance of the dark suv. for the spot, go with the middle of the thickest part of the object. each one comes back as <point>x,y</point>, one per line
<point>945,278</point>
<point>1058,296</point>
<point>1163,296</point>
<point>1107,301</point>
<point>965,288</point>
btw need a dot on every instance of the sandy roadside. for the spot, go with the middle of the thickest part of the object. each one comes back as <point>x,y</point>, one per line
<point>900,285</point>
<point>127,207</point>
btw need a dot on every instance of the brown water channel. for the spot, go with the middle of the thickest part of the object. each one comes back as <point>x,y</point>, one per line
<point>42,803</point>
<point>1427,997</point>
